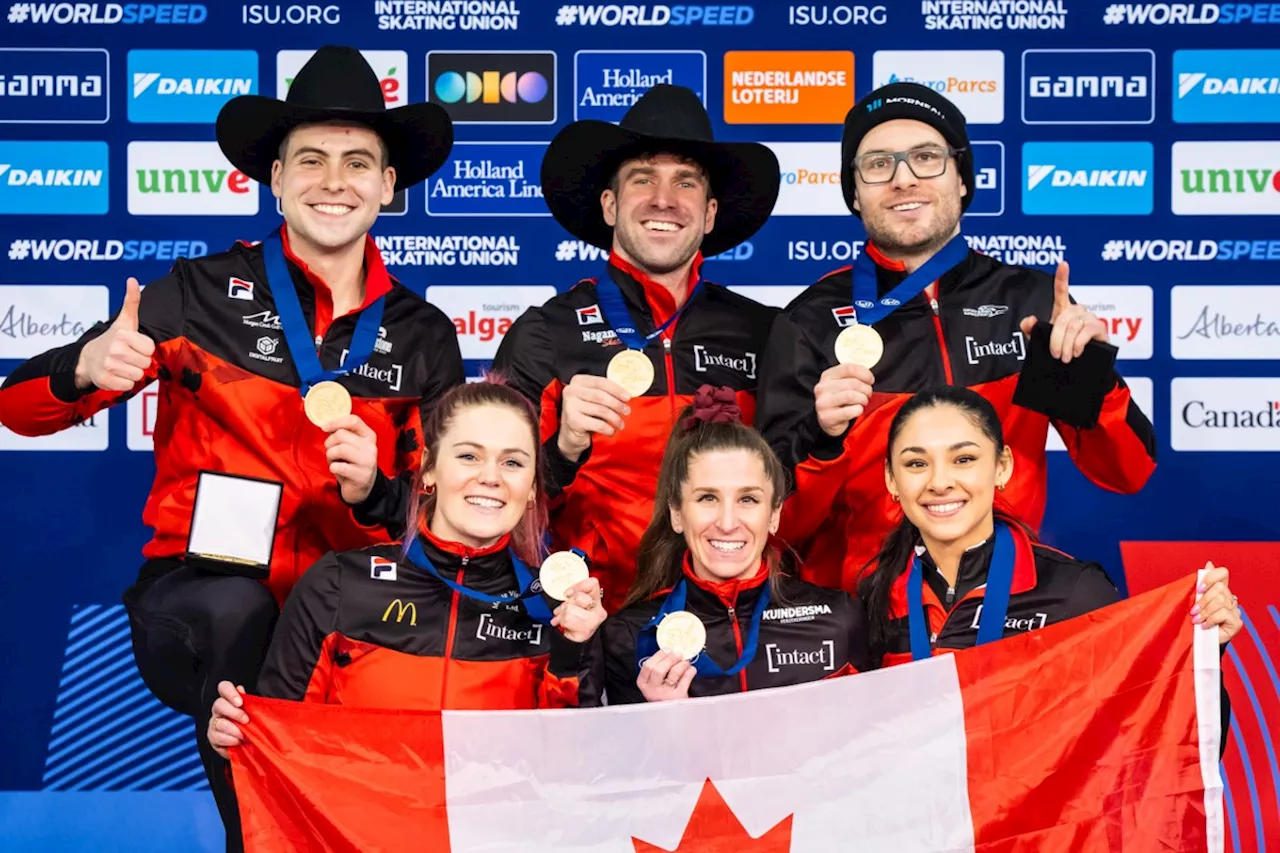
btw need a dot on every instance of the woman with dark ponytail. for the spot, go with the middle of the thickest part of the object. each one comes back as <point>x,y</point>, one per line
<point>708,574</point>
<point>959,570</point>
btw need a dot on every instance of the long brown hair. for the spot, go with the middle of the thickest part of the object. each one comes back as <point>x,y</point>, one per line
<point>875,581</point>
<point>527,539</point>
<point>710,425</point>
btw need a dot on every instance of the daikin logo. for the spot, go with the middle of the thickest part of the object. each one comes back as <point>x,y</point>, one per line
<point>187,86</point>
<point>1227,86</point>
<point>1087,178</point>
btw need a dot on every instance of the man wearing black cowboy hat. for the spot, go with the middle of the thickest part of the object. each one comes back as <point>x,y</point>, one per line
<point>237,340</point>
<point>923,310</point>
<point>613,360</point>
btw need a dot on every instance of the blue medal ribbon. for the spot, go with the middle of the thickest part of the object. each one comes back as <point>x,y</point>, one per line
<point>647,641</point>
<point>619,317</point>
<point>995,602</point>
<point>297,336</point>
<point>871,309</point>
<point>529,596</point>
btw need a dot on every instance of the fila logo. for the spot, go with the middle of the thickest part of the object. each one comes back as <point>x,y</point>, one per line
<point>590,316</point>
<point>401,609</point>
<point>1013,623</point>
<point>1014,346</point>
<point>703,360</point>
<point>986,311</point>
<point>487,629</point>
<point>845,316</point>
<point>238,288</point>
<point>824,656</point>
<point>382,569</point>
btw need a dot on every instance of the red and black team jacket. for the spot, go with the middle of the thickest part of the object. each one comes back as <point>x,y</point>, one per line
<point>229,401</point>
<point>807,633</point>
<point>1048,587</point>
<point>606,501</point>
<point>370,629</point>
<point>839,509</point>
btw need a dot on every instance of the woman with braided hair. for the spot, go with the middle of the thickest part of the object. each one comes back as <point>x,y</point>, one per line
<point>710,613</point>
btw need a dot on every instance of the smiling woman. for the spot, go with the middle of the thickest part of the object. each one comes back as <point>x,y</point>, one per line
<point>451,618</point>
<point>710,613</point>
<point>960,569</point>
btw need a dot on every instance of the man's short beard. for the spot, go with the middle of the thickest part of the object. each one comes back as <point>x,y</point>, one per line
<point>648,265</point>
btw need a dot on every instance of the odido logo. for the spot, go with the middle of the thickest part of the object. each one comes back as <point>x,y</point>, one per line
<point>510,87</point>
<point>391,66</point>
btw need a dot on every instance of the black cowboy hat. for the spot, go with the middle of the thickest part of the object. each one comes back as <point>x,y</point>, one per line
<point>582,158</point>
<point>336,84</point>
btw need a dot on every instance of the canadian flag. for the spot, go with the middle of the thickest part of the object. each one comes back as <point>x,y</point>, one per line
<point>1098,734</point>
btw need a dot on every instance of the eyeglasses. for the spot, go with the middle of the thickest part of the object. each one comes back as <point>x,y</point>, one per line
<point>879,167</point>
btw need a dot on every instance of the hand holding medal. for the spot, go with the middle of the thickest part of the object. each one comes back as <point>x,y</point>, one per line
<point>564,577</point>
<point>590,405</point>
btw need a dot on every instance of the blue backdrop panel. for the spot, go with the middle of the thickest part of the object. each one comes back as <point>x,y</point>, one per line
<point>1138,141</point>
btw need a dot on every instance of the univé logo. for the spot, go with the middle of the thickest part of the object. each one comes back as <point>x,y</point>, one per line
<point>515,87</point>
<point>187,179</point>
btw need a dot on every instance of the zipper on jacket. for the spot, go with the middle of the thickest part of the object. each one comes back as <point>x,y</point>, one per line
<point>942,342</point>
<point>449,635</point>
<point>671,373</point>
<point>737,641</point>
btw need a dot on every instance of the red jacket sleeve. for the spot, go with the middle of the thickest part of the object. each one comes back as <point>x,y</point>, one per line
<point>40,397</point>
<point>301,653</point>
<point>1120,452</point>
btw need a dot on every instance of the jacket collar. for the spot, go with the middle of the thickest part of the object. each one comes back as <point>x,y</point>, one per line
<point>975,564</point>
<point>447,554</point>
<point>891,272</point>
<point>730,593</point>
<point>377,281</point>
<point>636,283</point>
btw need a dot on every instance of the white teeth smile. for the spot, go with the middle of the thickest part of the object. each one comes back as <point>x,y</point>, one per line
<point>909,206</point>
<point>661,226</point>
<point>727,547</point>
<point>488,503</point>
<point>943,509</point>
<point>333,209</point>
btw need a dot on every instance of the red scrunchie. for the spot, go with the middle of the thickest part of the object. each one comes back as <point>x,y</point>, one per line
<point>713,405</point>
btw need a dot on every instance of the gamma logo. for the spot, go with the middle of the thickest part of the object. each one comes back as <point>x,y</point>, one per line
<point>1087,178</point>
<point>41,85</point>
<point>509,87</point>
<point>1088,86</point>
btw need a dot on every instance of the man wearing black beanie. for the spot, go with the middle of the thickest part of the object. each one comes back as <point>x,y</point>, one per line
<point>924,310</point>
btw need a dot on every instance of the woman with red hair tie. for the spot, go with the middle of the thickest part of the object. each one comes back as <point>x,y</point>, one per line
<point>710,612</point>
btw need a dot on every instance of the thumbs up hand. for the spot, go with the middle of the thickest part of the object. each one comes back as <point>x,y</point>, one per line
<point>1073,325</point>
<point>117,359</point>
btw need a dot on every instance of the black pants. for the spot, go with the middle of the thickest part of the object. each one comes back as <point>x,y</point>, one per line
<point>190,630</point>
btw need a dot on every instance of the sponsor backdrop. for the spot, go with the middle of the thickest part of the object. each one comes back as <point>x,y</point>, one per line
<point>1136,140</point>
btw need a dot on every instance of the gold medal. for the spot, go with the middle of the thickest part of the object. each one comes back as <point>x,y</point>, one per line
<point>632,370</point>
<point>859,344</point>
<point>325,402</point>
<point>681,633</point>
<point>560,571</point>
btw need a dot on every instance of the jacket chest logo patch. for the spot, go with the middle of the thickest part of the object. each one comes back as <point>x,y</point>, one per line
<point>590,316</point>
<point>803,613</point>
<point>704,359</point>
<point>604,337</point>
<point>986,311</point>
<point>845,315</point>
<point>382,569</point>
<point>1015,623</point>
<point>975,350</point>
<point>402,609</point>
<point>823,656</point>
<point>489,629</point>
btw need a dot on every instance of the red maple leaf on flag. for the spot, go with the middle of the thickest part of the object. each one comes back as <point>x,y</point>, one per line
<point>714,827</point>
